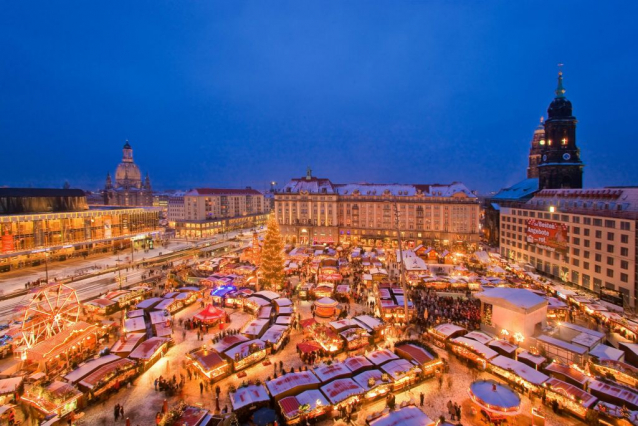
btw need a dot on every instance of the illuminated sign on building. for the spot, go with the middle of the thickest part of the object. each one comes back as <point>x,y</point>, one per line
<point>550,236</point>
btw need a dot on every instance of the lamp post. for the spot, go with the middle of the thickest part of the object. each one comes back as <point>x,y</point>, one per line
<point>46,265</point>
<point>402,266</point>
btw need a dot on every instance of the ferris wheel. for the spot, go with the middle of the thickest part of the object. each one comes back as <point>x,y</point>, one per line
<point>52,309</point>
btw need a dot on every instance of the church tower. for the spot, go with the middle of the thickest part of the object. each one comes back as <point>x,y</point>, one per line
<point>560,165</point>
<point>538,142</point>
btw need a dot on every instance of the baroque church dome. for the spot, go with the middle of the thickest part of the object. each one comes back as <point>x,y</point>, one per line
<point>127,174</point>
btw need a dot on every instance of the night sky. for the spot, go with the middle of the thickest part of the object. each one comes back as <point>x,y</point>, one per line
<point>233,94</point>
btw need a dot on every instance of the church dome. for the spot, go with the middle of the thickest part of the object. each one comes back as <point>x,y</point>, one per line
<point>128,174</point>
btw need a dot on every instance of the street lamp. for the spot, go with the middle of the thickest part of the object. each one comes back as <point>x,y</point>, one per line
<point>46,265</point>
<point>402,266</point>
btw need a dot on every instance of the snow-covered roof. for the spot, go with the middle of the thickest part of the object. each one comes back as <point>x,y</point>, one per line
<point>248,395</point>
<point>562,344</point>
<point>243,349</point>
<point>479,336</point>
<point>534,359</point>
<point>406,416</point>
<point>147,349</point>
<point>409,190</point>
<point>127,345</point>
<point>503,345</point>
<point>274,333</point>
<point>284,301</point>
<point>229,341</point>
<point>607,352</point>
<point>586,399</point>
<point>341,389</point>
<point>344,324</point>
<point>622,394</point>
<point>448,329</point>
<point>356,363</point>
<point>520,191</point>
<point>397,368</point>
<point>513,298</point>
<point>290,381</point>
<point>381,356</point>
<point>329,372</point>
<point>290,405</point>
<point>283,320</point>
<point>255,327</point>
<point>522,370</point>
<point>363,379</point>
<point>135,324</point>
<point>368,322</point>
<point>479,348</point>
<point>311,185</point>
<point>267,294</point>
<point>86,368</point>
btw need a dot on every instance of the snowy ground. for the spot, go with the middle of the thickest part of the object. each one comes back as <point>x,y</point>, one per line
<point>141,402</point>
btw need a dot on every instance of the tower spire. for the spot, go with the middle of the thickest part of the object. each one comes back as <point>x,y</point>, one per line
<point>560,90</point>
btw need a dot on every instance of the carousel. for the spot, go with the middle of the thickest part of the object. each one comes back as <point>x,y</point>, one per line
<point>326,307</point>
<point>495,400</point>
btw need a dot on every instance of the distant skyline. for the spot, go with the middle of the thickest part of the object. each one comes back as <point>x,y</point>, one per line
<point>236,94</point>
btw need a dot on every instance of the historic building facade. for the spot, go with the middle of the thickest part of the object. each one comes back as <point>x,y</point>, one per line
<point>583,236</point>
<point>314,210</point>
<point>204,212</point>
<point>128,188</point>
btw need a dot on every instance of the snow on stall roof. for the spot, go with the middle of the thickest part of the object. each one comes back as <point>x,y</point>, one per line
<point>479,336</point>
<point>229,341</point>
<point>605,352</point>
<point>341,389</point>
<point>248,395</point>
<point>9,385</point>
<point>535,359</point>
<point>570,372</point>
<point>406,416</point>
<point>329,372</point>
<point>363,379</point>
<point>290,404</point>
<point>129,344</point>
<point>518,297</point>
<point>284,301</point>
<point>586,340</point>
<point>503,345</point>
<point>159,317</point>
<point>368,322</point>
<point>397,368</point>
<point>286,310</point>
<point>258,301</point>
<point>147,348</point>
<point>243,349</point>
<point>562,344</point>
<point>479,348</point>
<point>357,363</point>
<point>86,368</point>
<point>283,320</point>
<point>576,327</point>
<point>522,370</point>
<point>274,333</point>
<point>98,375</point>
<point>344,324</point>
<point>290,381</point>
<point>448,329</point>
<point>135,324</point>
<point>381,356</point>
<point>255,327</point>
<point>264,312</point>
<point>614,391</point>
<point>587,399</point>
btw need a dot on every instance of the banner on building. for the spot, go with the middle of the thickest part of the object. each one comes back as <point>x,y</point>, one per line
<point>7,242</point>
<point>550,236</point>
<point>107,228</point>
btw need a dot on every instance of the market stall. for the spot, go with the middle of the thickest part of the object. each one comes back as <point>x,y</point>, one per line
<point>149,351</point>
<point>569,397</point>
<point>327,373</point>
<point>9,389</point>
<point>357,363</point>
<point>126,343</point>
<point>247,399</point>
<point>405,416</point>
<point>210,363</point>
<point>342,392</point>
<point>246,354</point>
<point>310,404</point>
<point>402,372</point>
<point>292,384</point>
<point>427,359</point>
<point>381,356</point>
<point>472,350</point>
<point>518,373</point>
<point>255,328</point>
<point>374,382</point>
<point>275,335</point>
<point>108,376</point>
<point>52,399</point>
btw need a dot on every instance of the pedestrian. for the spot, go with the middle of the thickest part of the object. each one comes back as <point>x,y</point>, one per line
<point>122,411</point>
<point>155,384</point>
<point>458,412</point>
<point>422,397</point>
<point>201,388</point>
<point>116,411</point>
<point>217,391</point>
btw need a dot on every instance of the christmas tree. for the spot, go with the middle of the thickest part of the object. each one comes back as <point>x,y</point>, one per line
<point>272,257</point>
